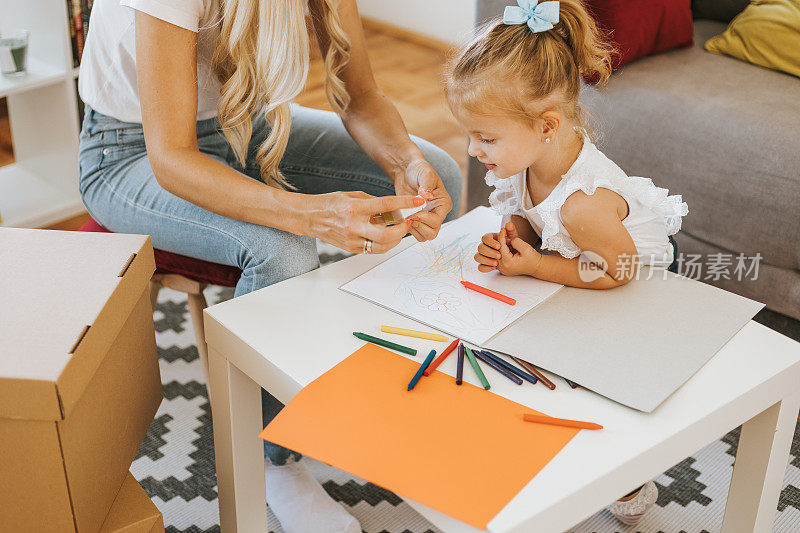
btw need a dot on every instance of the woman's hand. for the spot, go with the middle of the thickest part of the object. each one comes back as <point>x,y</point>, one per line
<point>342,219</point>
<point>420,178</point>
<point>518,258</point>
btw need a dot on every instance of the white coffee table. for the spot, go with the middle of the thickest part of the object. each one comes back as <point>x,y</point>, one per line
<point>283,337</point>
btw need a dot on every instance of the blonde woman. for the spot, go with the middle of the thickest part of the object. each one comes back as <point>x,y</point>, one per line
<point>190,137</point>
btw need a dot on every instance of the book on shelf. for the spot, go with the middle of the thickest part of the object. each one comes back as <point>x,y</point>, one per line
<point>78,12</point>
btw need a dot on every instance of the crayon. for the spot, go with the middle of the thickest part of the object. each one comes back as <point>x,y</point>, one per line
<point>513,377</point>
<point>438,360</point>
<point>508,366</point>
<point>571,383</point>
<point>541,419</point>
<point>532,369</point>
<point>420,370</point>
<point>413,333</point>
<point>460,365</point>
<point>386,344</point>
<point>489,292</point>
<point>477,368</point>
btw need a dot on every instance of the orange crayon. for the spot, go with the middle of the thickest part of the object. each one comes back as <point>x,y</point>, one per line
<point>488,292</point>
<point>541,419</point>
<point>445,353</point>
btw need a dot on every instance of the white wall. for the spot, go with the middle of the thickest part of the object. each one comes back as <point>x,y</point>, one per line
<point>447,20</point>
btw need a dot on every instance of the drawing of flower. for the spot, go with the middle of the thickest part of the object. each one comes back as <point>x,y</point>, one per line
<point>442,302</point>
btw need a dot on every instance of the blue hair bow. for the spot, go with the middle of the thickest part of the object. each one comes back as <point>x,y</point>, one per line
<point>539,16</point>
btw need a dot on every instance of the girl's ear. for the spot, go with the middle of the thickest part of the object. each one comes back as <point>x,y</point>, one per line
<point>551,121</point>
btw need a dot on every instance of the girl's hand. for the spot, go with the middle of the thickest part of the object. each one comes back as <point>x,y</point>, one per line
<point>511,232</point>
<point>420,178</point>
<point>343,220</point>
<point>519,258</point>
<point>488,252</point>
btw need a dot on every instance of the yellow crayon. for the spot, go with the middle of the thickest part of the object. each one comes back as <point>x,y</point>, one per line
<point>412,333</point>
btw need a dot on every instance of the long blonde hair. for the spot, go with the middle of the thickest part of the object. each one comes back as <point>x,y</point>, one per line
<point>262,59</point>
<point>510,70</point>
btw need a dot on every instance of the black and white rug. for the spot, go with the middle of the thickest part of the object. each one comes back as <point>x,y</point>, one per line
<point>175,464</point>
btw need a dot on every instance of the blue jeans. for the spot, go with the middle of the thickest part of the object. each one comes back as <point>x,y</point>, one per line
<point>120,192</point>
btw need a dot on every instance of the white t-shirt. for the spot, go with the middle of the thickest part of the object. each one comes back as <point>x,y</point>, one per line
<point>107,80</point>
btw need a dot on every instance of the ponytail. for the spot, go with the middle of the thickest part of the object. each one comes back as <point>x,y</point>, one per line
<point>591,53</point>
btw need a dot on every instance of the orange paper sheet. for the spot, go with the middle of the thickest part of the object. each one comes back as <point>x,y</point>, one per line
<point>458,449</point>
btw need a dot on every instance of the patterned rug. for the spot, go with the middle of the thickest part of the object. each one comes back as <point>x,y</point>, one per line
<point>175,464</point>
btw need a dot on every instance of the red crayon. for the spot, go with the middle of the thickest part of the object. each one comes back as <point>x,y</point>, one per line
<point>445,353</point>
<point>488,292</point>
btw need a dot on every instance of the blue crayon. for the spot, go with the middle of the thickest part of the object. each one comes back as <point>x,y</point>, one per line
<point>521,373</point>
<point>497,366</point>
<point>460,364</point>
<point>421,369</point>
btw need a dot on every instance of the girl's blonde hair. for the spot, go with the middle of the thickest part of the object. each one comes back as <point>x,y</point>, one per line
<point>262,59</point>
<point>509,70</point>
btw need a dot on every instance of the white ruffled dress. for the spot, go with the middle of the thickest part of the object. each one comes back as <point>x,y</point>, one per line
<point>653,214</point>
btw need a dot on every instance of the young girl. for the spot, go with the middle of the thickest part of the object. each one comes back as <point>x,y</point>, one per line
<point>515,90</point>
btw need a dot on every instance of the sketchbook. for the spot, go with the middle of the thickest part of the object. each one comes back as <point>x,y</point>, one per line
<point>635,344</point>
<point>423,282</point>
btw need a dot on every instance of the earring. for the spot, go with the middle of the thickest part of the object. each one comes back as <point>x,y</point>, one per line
<point>547,140</point>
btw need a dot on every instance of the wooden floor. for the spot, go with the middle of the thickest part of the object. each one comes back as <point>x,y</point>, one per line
<point>408,69</point>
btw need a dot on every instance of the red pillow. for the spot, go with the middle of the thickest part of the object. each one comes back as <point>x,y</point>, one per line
<point>640,28</point>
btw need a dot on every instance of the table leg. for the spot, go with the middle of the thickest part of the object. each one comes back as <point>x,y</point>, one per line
<point>759,469</point>
<point>239,453</point>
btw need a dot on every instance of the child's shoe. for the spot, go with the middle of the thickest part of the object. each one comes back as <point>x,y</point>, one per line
<point>630,509</point>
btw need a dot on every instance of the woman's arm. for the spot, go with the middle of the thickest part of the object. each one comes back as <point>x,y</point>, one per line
<point>377,127</point>
<point>166,67</point>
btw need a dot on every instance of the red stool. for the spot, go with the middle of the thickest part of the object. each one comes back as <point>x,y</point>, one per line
<point>187,275</point>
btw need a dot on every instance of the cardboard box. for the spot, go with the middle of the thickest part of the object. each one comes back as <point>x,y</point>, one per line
<point>79,377</point>
<point>133,511</point>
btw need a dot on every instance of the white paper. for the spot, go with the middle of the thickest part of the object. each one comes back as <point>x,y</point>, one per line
<point>405,213</point>
<point>423,282</point>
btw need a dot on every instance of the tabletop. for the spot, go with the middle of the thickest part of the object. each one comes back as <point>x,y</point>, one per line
<point>288,334</point>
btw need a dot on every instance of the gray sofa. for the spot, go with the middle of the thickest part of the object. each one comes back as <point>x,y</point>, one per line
<point>723,133</point>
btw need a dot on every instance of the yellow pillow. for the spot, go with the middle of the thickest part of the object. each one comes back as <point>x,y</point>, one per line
<point>766,33</point>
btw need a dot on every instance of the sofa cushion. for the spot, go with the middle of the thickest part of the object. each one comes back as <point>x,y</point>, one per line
<point>720,132</point>
<point>767,33</point>
<point>640,29</point>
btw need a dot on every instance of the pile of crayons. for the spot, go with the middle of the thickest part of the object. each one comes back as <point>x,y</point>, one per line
<point>527,373</point>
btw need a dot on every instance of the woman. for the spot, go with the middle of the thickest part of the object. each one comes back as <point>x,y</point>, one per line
<point>190,137</point>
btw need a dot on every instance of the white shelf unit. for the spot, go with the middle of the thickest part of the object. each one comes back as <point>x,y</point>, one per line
<point>41,186</point>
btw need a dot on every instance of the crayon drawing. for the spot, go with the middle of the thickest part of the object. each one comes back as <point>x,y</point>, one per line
<point>423,282</point>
